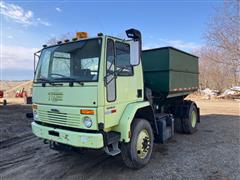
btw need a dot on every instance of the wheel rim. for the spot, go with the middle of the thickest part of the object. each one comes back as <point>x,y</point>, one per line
<point>194,119</point>
<point>143,144</point>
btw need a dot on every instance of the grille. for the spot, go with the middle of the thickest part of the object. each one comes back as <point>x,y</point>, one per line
<point>64,119</point>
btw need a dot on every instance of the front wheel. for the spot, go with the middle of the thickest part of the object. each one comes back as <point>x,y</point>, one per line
<point>137,152</point>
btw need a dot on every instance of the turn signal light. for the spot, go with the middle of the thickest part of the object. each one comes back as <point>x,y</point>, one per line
<point>34,106</point>
<point>80,35</point>
<point>87,111</point>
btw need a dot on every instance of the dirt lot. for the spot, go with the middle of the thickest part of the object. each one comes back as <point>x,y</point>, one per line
<point>213,152</point>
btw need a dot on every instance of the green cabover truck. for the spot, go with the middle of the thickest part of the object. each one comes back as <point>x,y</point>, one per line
<point>106,93</point>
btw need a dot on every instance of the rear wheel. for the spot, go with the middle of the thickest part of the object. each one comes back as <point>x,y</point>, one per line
<point>190,122</point>
<point>137,152</point>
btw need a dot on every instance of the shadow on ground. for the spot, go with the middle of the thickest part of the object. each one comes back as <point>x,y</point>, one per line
<point>210,153</point>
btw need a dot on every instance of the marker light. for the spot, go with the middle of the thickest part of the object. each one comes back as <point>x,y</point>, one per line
<point>87,111</point>
<point>66,40</point>
<point>74,39</point>
<point>80,35</point>
<point>100,34</point>
<point>34,106</point>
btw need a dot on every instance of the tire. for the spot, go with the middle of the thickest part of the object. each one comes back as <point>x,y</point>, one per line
<point>191,121</point>
<point>137,153</point>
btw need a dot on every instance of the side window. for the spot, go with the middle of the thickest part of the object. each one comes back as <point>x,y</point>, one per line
<point>110,68</point>
<point>42,71</point>
<point>123,59</point>
<point>110,57</point>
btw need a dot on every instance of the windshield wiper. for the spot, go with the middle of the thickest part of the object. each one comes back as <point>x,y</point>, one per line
<point>45,80</point>
<point>71,80</point>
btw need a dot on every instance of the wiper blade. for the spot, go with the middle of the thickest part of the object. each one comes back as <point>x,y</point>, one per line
<point>72,80</point>
<point>45,80</point>
<point>65,78</point>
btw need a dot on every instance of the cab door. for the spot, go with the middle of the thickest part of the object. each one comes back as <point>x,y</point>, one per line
<point>120,82</point>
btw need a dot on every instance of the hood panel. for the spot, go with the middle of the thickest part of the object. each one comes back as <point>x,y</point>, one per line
<point>85,96</point>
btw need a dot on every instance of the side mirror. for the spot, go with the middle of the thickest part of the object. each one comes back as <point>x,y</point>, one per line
<point>36,59</point>
<point>135,53</point>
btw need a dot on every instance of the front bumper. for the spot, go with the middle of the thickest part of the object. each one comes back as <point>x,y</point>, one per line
<point>76,139</point>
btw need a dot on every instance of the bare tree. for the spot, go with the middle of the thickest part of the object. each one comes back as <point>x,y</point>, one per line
<point>213,75</point>
<point>223,38</point>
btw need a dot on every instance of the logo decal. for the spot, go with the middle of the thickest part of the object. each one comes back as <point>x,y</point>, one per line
<point>55,110</point>
<point>55,96</point>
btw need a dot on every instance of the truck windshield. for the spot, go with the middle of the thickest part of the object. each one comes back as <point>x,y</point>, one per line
<point>77,61</point>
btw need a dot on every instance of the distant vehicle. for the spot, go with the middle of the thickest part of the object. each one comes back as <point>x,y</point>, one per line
<point>105,92</point>
<point>1,94</point>
<point>21,94</point>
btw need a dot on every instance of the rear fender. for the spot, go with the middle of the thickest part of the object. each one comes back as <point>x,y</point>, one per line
<point>124,126</point>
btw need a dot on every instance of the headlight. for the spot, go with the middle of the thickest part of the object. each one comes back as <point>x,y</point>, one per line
<point>87,121</point>
<point>35,115</point>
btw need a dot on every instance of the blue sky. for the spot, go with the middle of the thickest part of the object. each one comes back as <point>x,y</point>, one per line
<point>26,25</point>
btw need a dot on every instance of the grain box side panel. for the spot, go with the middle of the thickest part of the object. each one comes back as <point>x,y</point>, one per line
<point>182,61</point>
<point>155,59</point>
<point>160,83</point>
<point>155,67</point>
<point>183,71</point>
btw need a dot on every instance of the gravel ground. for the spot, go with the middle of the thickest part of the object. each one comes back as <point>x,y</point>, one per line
<point>213,152</point>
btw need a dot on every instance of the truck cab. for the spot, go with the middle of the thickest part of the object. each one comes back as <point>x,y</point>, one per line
<point>89,93</point>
